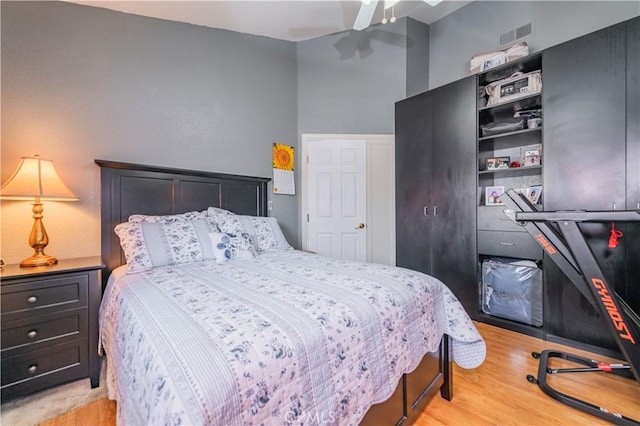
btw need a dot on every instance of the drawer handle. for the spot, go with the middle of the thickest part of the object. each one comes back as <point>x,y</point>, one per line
<point>32,334</point>
<point>32,299</point>
<point>32,369</point>
<point>507,244</point>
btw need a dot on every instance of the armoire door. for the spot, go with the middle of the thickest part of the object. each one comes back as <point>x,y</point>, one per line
<point>454,189</point>
<point>584,157</point>
<point>412,156</point>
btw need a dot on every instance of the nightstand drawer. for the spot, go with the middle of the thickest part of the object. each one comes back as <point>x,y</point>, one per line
<point>509,244</point>
<point>51,329</point>
<point>42,296</point>
<point>68,360</point>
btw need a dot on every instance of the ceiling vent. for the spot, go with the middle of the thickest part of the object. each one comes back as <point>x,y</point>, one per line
<point>516,34</point>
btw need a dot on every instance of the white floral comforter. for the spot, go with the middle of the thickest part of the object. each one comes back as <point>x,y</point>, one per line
<point>286,338</point>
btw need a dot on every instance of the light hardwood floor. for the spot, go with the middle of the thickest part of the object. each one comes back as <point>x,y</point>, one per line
<point>496,393</point>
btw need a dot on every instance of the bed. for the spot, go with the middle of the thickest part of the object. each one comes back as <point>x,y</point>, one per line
<point>243,329</point>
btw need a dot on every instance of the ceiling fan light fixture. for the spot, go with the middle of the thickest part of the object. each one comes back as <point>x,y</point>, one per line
<point>432,2</point>
<point>366,1</point>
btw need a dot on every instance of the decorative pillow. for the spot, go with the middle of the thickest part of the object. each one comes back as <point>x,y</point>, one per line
<point>230,223</point>
<point>217,215</point>
<point>169,218</point>
<point>228,247</point>
<point>150,244</point>
<point>264,232</point>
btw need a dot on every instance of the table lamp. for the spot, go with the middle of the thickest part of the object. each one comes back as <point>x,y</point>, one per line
<point>36,179</point>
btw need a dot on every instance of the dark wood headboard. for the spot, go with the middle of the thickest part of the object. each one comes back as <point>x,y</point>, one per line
<point>128,189</point>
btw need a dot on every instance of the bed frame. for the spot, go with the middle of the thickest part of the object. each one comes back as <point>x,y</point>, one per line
<point>139,189</point>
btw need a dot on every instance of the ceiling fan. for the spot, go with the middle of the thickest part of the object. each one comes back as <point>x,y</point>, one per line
<point>368,8</point>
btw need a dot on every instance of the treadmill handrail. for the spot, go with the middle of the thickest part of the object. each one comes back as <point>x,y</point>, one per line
<point>581,216</point>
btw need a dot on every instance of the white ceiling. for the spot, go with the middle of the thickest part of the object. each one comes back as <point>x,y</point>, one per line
<point>292,20</point>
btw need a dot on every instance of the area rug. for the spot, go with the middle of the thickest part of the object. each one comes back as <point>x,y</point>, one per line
<point>39,407</point>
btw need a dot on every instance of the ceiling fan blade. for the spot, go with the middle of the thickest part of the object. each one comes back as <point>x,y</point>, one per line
<point>365,14</point>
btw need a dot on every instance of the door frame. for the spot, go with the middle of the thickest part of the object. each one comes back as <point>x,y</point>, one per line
<point>372,165</point>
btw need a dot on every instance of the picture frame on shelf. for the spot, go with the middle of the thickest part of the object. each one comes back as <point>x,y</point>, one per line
<point>498,163</point>
<point>534,193</point>
<point>531,157</point>
<point>492,195</point>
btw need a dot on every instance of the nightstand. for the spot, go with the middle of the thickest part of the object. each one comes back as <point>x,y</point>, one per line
<point>49,325</point>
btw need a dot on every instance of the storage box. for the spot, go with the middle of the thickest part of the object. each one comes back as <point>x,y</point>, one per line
<point>487,60</point>
<point>512,289</point>
<point>517,86</point>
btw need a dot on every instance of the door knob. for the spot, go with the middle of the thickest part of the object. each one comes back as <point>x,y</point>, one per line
<point>361,226</point>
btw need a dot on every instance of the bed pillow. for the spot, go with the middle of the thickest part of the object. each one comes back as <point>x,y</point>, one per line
<point>228,247</point>
<point>264,232</point>
<point>169,218</point>
<point>216,211</point>
<point>150,244</point>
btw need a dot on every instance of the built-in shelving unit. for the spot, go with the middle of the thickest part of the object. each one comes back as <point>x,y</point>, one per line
<point>509,155</point>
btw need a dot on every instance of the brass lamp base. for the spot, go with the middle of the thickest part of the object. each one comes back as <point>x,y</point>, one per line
<point>39,260</point>
<point>38,240</point>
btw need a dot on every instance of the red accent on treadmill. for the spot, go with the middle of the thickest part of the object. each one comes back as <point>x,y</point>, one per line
<point>605,367</point>
<point>615,235</point>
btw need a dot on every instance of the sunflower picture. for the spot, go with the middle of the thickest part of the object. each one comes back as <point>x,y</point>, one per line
<point>282,157</point>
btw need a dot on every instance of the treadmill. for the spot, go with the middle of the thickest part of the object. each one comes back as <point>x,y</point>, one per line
<point>561,239</point>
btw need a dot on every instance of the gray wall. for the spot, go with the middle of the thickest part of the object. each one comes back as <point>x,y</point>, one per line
<point>80,83</point>
<point>476,28</point>
<point>348,82</point>
<point>417,57</point>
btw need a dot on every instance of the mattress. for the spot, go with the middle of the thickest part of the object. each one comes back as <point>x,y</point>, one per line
<point>286,338</point>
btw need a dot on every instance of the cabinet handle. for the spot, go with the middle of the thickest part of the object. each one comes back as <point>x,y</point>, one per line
<point>32,299</point>
<point>638,206</point>
<point>614,206</point>
<point>426,211</point>
<point>32,334</point>
<point>507,244</point>
<point>32,369</point>
<point>435,210</point>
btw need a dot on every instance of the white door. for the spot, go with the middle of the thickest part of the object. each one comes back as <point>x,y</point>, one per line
<point>337,198</point>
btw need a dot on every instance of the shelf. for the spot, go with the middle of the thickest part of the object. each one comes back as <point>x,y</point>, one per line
<point>526,101</point>
<point>525,64</point>
<point>517,132</point>
<point>512,170</point>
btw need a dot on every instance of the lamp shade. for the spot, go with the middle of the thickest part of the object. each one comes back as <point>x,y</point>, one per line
<point>36,177</point>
